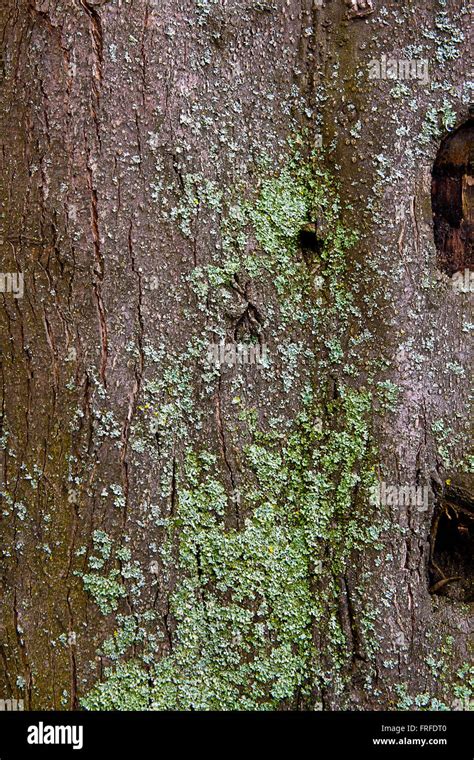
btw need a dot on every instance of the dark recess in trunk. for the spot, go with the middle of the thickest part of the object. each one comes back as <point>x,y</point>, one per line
<point>452,199</point>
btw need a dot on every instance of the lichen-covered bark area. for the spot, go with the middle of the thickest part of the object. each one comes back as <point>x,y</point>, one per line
<point>228,333</point>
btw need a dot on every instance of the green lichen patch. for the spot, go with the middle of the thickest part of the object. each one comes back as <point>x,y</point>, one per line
<point>249,601</point>
<point>252,607</point>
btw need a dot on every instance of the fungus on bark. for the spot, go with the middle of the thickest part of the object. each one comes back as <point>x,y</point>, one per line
<point>452,199</point>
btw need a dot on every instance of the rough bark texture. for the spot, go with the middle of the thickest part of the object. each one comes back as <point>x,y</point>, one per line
<point>181,534</point>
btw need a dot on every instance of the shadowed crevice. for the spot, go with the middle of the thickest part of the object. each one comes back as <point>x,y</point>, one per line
<point>452,199</point>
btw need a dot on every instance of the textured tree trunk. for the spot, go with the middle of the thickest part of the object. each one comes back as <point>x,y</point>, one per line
<point>190,180</point>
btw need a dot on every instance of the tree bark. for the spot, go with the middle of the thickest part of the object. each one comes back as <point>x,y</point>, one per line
<point>180,532</point>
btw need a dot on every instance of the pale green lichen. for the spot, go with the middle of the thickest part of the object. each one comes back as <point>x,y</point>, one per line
<point>245,607</point>
<point>106,590</point>
<point>249,601</point>
<point>126,688</point>
<point>437,121</point>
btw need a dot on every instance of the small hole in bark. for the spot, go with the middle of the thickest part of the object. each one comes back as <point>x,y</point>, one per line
<point>452,566</point>
<point>452,199</point>
<point>310,243</point>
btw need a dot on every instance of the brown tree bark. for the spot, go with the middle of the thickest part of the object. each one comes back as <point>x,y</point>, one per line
<point>177,534</point>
